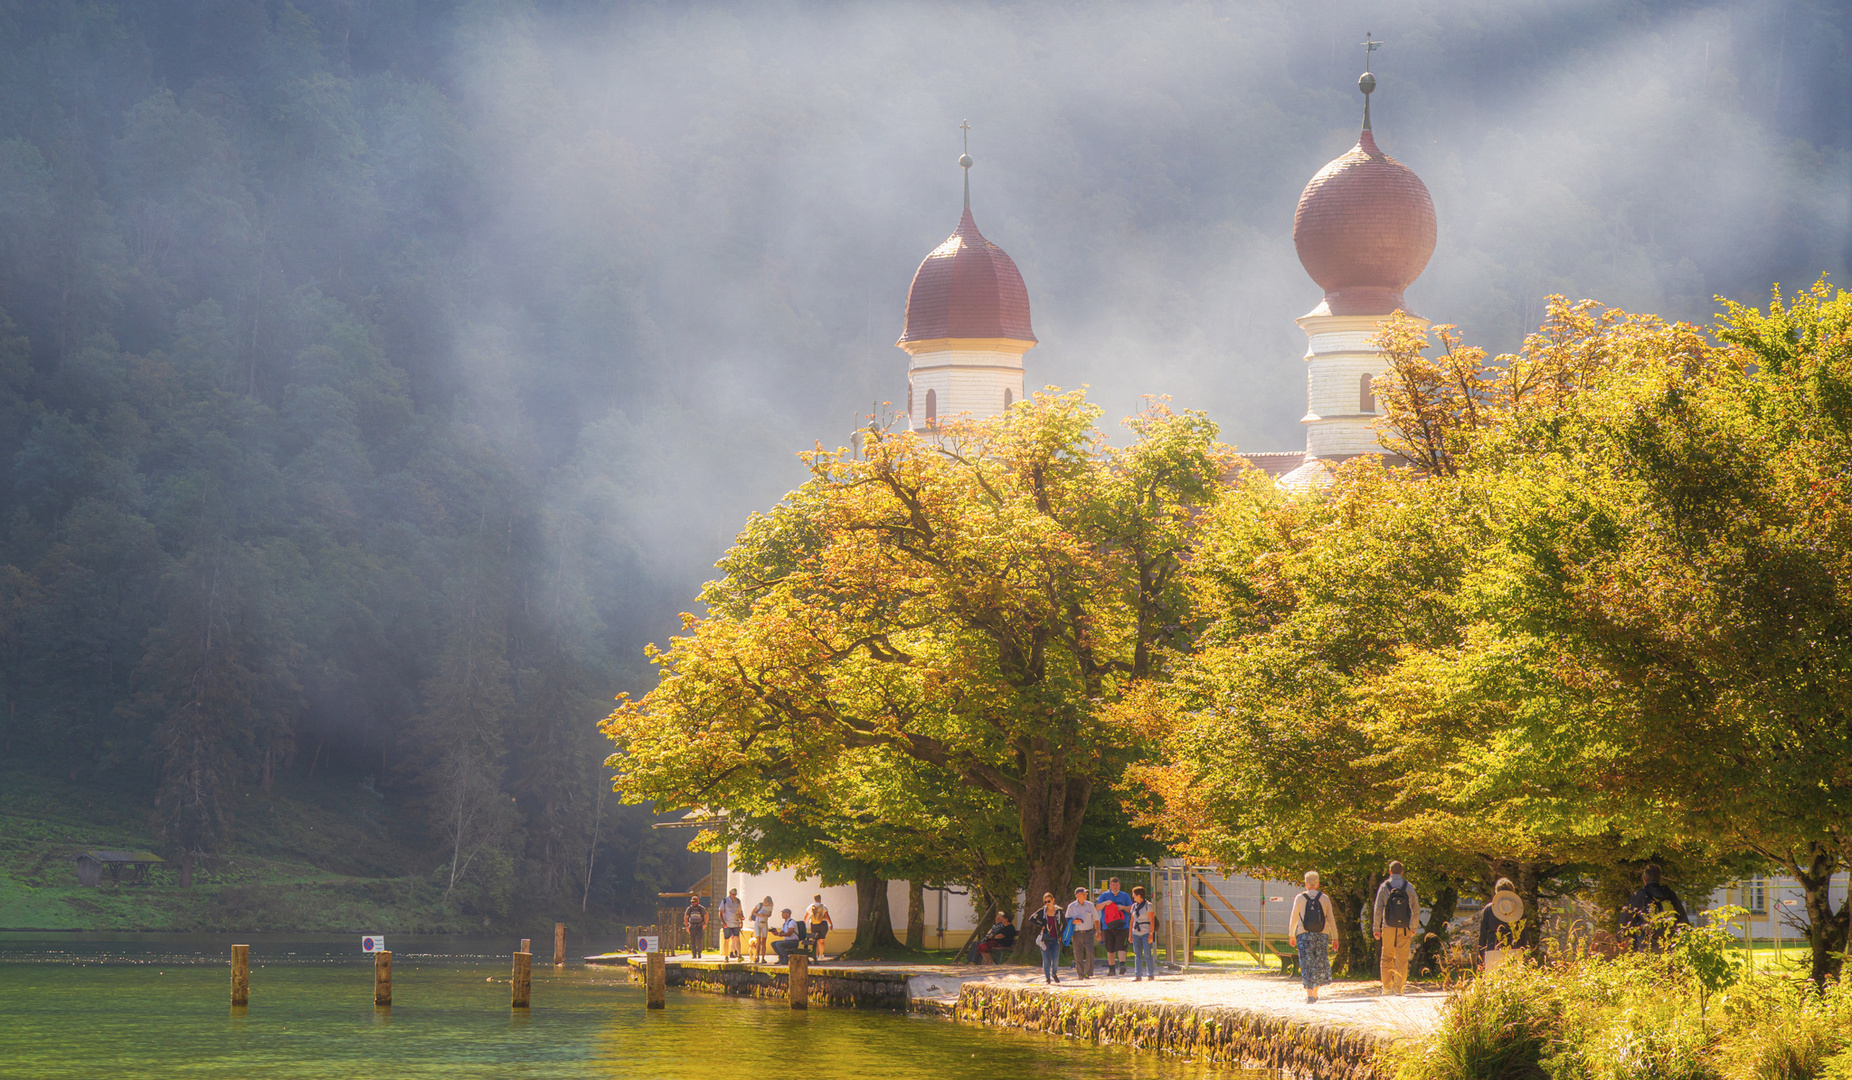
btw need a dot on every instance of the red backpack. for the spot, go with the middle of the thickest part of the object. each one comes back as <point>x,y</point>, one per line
<point>1111,913</point>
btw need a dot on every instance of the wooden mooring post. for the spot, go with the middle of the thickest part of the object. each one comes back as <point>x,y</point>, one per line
<point>382,978</point>
<point>241,975</point>
<point>521,985</point>
<point>656,980</point>
<point>559,944</point>
<point>797,983</point>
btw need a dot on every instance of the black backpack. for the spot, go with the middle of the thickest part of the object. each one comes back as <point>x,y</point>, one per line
<point>1395,909</point>
<point>1313,917</point>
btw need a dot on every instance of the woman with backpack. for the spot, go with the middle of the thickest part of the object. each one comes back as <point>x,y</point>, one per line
<point>1312,922</point>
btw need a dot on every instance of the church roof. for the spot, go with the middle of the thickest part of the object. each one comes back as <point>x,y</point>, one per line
<point>967,287</point>
<point>1364,230</point>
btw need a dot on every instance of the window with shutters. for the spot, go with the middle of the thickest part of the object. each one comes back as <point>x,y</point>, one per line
<point>1366,397</point>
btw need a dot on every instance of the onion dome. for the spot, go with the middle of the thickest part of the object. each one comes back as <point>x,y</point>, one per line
<point>1364,229</point>
<point>967,288</point>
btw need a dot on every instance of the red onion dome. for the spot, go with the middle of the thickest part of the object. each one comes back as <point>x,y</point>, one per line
<point>967,288</point>
<point>1364,230</point>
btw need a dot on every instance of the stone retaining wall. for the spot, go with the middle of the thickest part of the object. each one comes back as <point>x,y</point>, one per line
<point>1205,1033</point>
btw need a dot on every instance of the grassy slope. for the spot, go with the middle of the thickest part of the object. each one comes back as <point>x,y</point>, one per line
<point>306,860</point>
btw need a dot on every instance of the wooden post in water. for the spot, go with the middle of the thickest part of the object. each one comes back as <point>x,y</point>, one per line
<point>382,978</point>
<point>559,944</point>
<point>798,982</point>
<point>656,980</point>
<point>521,985</point>
<point>241,975</point>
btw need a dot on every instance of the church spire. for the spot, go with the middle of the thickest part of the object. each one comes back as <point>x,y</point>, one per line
<point>1367,82</point>
<point>964,161</point>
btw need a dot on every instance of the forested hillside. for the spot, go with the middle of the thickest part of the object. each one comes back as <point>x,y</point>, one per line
<point>257,535</point>
<point>377,379</point>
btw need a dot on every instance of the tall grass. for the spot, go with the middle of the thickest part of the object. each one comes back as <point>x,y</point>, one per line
<point>1637,1017</point>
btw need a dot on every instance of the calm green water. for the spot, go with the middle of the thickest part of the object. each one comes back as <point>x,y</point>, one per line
<point>148,1005</point>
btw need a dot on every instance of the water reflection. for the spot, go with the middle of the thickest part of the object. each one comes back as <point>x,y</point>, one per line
<point>81,1006</point>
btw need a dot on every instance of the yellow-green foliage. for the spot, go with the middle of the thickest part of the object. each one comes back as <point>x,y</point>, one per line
<point>1635,1018</point>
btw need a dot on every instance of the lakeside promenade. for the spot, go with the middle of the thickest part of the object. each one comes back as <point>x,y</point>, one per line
<point>1239,1017</point>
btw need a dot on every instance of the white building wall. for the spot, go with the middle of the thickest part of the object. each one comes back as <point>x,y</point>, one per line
<point>969,381</point>
<point>949,915</point>
<point>1338,356</point>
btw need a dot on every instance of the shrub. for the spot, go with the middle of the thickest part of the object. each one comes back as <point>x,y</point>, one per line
<point>1497,1028</point>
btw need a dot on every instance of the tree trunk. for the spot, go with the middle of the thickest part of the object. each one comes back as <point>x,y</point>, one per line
<point>1357,953</point>
<point>874,924</point>
<point>1827,930</point>
<point>1050,810</point>
<point>186,869</point>
<point>1426,958</point>
<point>916,915</point>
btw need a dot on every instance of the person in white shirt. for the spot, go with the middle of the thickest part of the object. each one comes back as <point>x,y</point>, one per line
<point>762,913</point>
<point>789,940</point>
<point>732,917</point>
<point>1085,919</point>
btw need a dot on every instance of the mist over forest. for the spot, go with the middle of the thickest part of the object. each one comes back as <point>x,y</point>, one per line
<point>378,378</point>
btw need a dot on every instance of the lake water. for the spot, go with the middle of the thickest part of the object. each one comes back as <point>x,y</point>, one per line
<point>156,1005</point>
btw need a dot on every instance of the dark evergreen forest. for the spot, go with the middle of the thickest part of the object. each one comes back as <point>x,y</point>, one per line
<point>379,377</point>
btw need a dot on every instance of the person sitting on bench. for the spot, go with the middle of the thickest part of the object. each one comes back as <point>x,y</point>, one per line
<point>792,939</point>
<point>1000,939</point>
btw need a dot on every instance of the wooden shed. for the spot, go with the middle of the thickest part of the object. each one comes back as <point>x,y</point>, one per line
<point>91,864</point>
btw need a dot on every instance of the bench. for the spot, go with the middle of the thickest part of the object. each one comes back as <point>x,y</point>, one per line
<point>1289,957</point>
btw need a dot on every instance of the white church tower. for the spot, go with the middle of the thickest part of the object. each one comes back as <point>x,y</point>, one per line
<point>967,327</point>
<point>1364,231</point>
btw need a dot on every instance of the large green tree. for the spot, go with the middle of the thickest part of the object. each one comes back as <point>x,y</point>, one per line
<point>974,600</point>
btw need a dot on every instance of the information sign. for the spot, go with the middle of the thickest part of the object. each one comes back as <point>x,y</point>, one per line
<point>372,943</point>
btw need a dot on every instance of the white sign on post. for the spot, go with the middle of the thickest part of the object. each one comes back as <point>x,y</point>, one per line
<point>646,942</point>
<point>372,943</point>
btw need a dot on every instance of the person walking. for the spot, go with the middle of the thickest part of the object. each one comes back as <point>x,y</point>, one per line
<point>1143,925</point>
<point>1048,924</point>
<point>761,928</point>
<point>1648,909</point>
<point>817,918</point>
<point>1310,926</point>
<point>1395,917</point>
<point>732,917</point>
<point>1086,920</point>
<point>1115,915</point>
<point>1498,926</point>
<point>694,920</point>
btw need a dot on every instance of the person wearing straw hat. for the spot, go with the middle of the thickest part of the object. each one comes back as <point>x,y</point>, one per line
<point>1310,928</point>
<point>1499,925</point>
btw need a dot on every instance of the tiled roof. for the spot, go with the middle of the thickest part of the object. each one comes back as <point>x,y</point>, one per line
<point>967,288</point>
<point>1364,230</point>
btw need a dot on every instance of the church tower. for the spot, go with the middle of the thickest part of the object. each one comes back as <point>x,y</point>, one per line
<point>967,327</point>
<point>1364,231</point>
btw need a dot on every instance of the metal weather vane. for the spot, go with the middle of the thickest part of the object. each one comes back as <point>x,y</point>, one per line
<point>964,161</point>
<point>1367,82</point>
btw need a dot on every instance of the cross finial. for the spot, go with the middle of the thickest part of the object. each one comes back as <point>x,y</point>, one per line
<point>1367,82</point>
<point>964,161</point>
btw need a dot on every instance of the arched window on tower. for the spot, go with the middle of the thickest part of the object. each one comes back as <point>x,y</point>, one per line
<point>1366,396</point>
<point>932,406</point>
<point>1009,397</point>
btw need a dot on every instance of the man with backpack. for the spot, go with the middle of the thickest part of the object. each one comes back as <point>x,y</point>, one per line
<point>1652,911</point>
<point>694,920</point>
<point>1396,920</point>
<point>1115,916</point>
